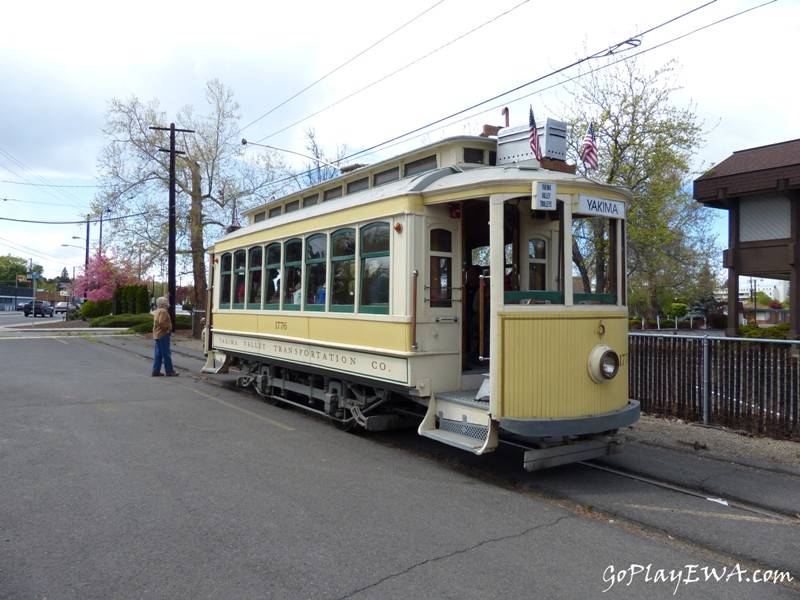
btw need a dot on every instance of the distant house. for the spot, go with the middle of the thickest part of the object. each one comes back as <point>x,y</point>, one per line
<point>760,189</point>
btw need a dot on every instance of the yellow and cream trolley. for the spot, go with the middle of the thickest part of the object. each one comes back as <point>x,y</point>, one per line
<point>464,286</point>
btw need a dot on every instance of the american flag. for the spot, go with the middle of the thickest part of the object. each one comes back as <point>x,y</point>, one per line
<point>589,148</point>
<point>537,150</point>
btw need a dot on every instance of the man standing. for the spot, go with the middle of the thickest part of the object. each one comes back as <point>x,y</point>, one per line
<point>162,328</point>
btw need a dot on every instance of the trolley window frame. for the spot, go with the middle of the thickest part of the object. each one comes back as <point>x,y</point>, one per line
<point>368,257</point>
<point>312,267</point>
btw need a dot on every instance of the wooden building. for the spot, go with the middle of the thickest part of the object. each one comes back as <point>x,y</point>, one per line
<point>760,189</point>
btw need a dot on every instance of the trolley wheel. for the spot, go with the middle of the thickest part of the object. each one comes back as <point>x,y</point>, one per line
<point>349,426</point>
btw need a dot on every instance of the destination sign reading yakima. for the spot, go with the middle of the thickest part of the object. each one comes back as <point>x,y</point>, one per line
<point>601,207</point>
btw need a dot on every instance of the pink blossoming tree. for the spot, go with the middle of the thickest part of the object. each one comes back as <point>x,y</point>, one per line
<point>101,278</point>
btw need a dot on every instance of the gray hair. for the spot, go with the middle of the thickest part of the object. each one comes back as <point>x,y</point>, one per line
<point>161,302</point>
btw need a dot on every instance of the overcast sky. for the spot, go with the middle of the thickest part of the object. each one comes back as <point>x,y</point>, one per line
<point>61,63</point>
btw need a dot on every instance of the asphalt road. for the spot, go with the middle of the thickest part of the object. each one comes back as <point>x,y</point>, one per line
<point>119,485</point>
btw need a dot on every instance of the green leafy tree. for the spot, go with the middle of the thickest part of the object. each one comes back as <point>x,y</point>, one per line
<point>646,144</point>
<point>10,267</point>
<point>214,176</point>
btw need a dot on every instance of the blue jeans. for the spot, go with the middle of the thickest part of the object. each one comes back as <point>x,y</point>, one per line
<point>162,354</point>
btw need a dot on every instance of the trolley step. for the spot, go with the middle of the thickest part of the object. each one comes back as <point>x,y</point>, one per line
<point>464,397</point>
<point>463,442</point>
<point>458,420</point>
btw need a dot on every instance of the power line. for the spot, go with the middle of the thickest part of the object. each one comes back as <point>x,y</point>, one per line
<point>623,59</point>
<point>30,251</point>
<point>395,72</point>
<point>59,203</point>
<point>626,44</point>
<point>344,64</point>
<point>81,222</point>
<point>46,185</point>
<point>630,42</point>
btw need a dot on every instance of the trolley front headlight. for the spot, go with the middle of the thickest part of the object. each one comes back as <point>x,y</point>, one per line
<point>603,363</point>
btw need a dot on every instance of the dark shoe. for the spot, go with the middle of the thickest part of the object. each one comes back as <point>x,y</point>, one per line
<point>172,374</point>
<point>158,374</point>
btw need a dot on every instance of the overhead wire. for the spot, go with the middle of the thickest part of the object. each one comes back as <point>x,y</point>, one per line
<point>32,253</point>
<point>344,64</point>
<point>611,50</point>
<point>396,141</point>
<point>45,185</point>
<point>395,72</point>
<point>79,222</point>
<point>73,201</point>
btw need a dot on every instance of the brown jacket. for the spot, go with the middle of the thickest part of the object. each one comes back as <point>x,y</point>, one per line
<point>162,324</point>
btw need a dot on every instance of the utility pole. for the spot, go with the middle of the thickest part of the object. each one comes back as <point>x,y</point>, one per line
<point>172,234</point>
<point>86,260</point>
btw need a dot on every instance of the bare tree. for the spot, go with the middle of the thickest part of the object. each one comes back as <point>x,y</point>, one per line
<point>213,176</point>
<point>319,166</point>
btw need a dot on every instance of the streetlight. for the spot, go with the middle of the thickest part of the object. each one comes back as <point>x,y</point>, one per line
<point>86,259</point>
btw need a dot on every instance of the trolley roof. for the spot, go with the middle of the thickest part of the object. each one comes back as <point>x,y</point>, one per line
<point>461,167</point>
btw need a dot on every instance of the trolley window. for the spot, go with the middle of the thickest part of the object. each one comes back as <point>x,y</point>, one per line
<point>375,267</point>
<point>316,268</point>
<point>594,260</point>
<point>332,194</point>
<point>225,280</point>
<point>292,274</point>
<point>343,270</point>
<point>537,264</point>
<point>386,176</point>
<point>273,276</point>
<point>358,185</point>
<point>420,166</point>
<point>441,265</point>
<point>537,291</point>
<point>254,277</point>
<point>239,262</point>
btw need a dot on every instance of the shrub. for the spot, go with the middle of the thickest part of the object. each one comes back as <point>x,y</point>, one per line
<point>183,321</point>
<point>131,298</point>
<point>778,332</point>
<point>75,314</point>
<point>677,309</point>
<point>139,323</point>
<point>92,309</point>
<point>125,320</point>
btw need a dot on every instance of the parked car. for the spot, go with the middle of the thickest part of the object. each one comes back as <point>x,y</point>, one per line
<point>38,308</point>
<point>62,307</point>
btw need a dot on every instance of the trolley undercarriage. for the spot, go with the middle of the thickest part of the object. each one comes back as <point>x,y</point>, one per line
<point>351,405</point>
<point>347,404</point>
